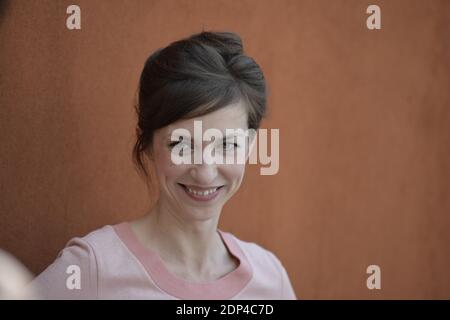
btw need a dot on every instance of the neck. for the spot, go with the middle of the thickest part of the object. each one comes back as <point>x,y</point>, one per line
<point>194,244</point>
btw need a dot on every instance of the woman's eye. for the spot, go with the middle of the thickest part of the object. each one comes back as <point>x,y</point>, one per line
<point>228,146</point>
<point>173,144</point>
<point>182,146</point>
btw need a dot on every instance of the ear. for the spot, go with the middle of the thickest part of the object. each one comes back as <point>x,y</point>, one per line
<point>138,132</point>
<point>149,153</point>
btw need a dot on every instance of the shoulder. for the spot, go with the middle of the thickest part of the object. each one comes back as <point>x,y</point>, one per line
<point>258,255</point>
<point>94,240</point>
<point>101,249</point>
<point>268,271</point>
<point>73,274</point>
<point>87,247</point>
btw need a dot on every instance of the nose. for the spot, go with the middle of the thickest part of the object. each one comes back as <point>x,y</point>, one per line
<point>204,174</point>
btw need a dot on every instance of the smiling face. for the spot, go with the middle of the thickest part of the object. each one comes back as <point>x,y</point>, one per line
<point>200,190</point>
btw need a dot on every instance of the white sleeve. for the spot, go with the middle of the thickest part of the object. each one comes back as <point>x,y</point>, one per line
<point>73,275</point>
<point>287,291</point>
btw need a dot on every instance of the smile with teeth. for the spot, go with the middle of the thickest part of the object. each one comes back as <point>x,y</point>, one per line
<point>201,192</point>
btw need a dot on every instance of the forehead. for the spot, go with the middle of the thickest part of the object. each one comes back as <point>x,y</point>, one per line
<point>233,116</point>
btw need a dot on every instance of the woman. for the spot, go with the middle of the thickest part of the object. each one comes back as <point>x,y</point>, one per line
<point>176,251</point>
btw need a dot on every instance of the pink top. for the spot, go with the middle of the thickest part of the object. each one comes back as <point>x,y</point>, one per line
<point>111,263</point>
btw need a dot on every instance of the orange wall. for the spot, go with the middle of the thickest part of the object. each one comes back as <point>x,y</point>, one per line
<point>364,119</point>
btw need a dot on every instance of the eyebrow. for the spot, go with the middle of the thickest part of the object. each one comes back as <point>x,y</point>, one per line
<point>169,136</point>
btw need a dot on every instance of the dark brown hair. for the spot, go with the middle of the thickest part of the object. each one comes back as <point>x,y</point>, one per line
<point>192,77</point>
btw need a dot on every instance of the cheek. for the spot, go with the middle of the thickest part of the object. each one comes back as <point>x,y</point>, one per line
<point>170,172</point>
<point>165,168</point>
<point>233,173</point>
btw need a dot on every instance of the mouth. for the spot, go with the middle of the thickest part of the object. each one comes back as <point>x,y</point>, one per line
<point>200,193</point>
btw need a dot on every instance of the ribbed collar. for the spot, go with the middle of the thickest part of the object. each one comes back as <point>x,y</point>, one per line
<point>223,288</point>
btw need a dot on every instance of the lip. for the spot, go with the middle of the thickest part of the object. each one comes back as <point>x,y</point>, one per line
<point>201,198</point>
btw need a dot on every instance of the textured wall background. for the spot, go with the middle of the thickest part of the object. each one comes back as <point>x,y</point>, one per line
<point>364,121</point>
